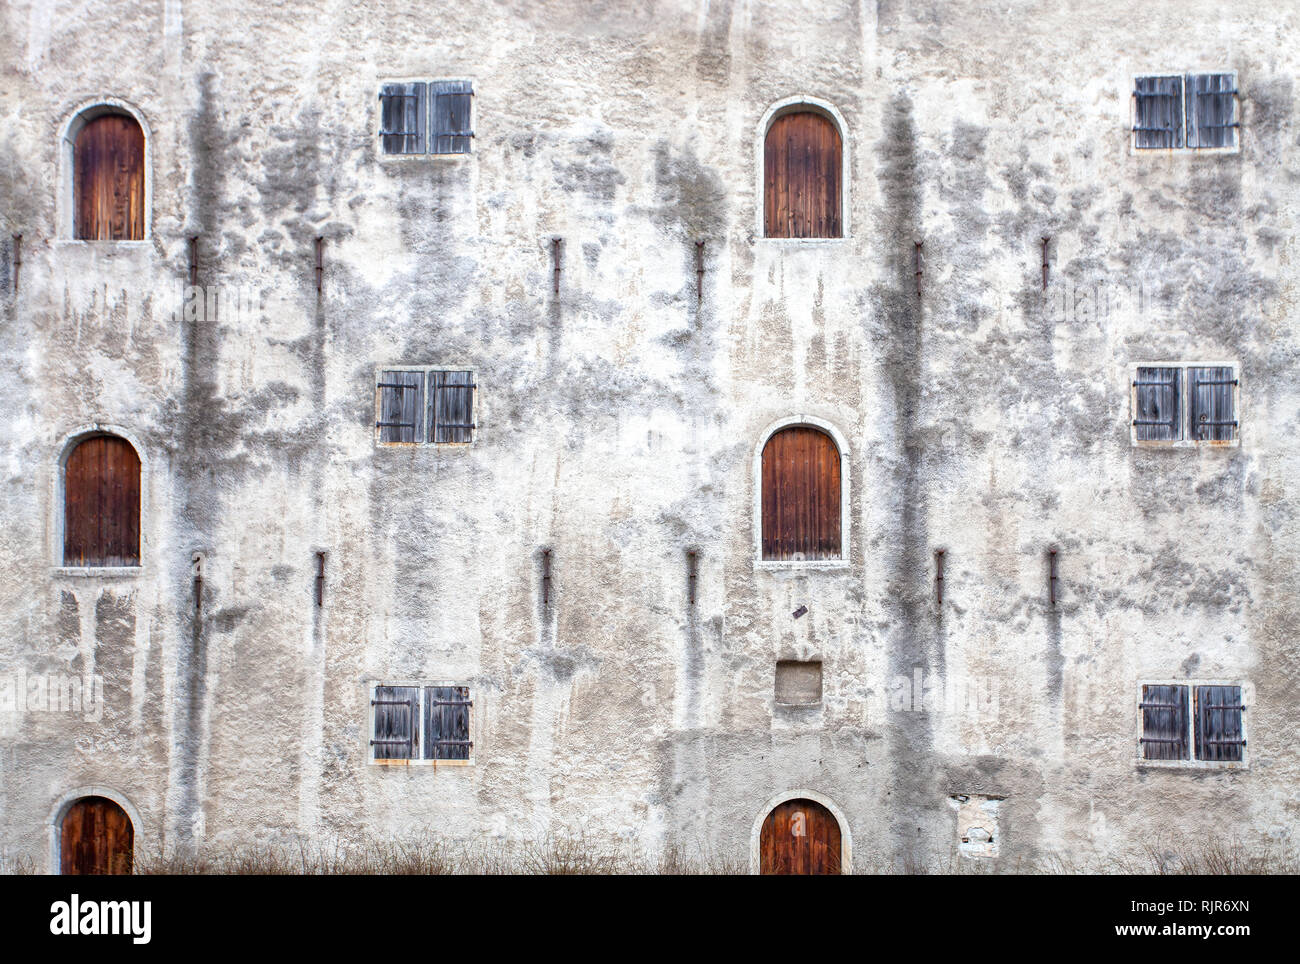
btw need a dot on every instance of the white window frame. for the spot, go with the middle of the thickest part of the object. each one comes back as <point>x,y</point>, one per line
<point>427,154</point>
<point>1135,151</point>
<point>423,686</point>
<point>790,105</point>
<point>1191,763</point>
<point>1184,411</point>
<point>425,370</point>
<point>58,502</point>
<point>66,202</point>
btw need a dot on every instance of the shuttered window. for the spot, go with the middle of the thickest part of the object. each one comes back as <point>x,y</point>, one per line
<point>396,713</point>
<point>101,503</point>
<point>1211,410</point>
<point>446,723</point>
<point>1185,404</point>
<point>1158,416</point>
<point>801,177</point>
<point>108,179</point>
<point>426,118</point>
<point>1164,722</point>
<point>421,722</point>
<point>451,407</point>
<point>1219,732</point>
<point>1211,730</point>
<point>401,407</point>
<point>1197,111</point>
<point>403,110</point>
<point>425,406</point>
<point>449,127</point>
<point>1211,110</point>
<point>1159,112</point>
<point>801,495</point>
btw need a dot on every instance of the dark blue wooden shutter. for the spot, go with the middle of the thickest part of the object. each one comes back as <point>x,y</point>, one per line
<point>1211,110</point>
<point>401,408</point>
<point>1157,415</point>
<point>1210,402</point>
<point>449,130</point>
<point>396,709</point>
<point>403,109</point>
<point>1164,722</point>
<point>1158,118</point>
<point>446,723</point>
<point>451,406</point>
<point>1218,723</point>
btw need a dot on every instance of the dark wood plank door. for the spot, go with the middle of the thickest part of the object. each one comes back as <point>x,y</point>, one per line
<point>800,837</point>
<point>801,177</point>
<point>108,166</point>
<point>97,838</point>
<point>101,496</point>
<point>801,495</point>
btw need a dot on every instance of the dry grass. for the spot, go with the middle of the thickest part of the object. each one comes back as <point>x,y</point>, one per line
<point>428,855</point>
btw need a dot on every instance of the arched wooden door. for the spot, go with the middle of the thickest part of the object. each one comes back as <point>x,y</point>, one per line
<point>801,495</point>
<point>799,837</point>
<point>801,177</point>
<point>101,497</point>
<point>108,161</point>
<point>96,838</point>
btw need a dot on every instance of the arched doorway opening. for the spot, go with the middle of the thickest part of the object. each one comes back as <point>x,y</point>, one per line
<point>96,837</point>
<point>800,836</point>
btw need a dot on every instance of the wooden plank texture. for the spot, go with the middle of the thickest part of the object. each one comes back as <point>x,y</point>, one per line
<point>446,723</point>
<point>801,495</point>
<point>1158,416</point>
<point>799,837</point>
<point>108,165</point>
<point>1218,723</point>
<point>451,406</point>
<point>1164,723</point>
<point>1211,409</point>
<point>396,711</point>
<point>801,177</point>
<point>96,838</point>
<point>101,488</point>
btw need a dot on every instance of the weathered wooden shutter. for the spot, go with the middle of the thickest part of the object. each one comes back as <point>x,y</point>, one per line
<point>401,406</point>
<point>1164,722</point>
<point>1158,117</point>
<point>1218,723</point>
<point>450,130</point>
<point>402,121</point>
<point>101,504</point>
<point>801,177</point>
<point>446,723</point>
<point>1211,110</point>
<point>1211,409</point>
<point>801,495</point>
<point>396,714</point>
<point>108,176</point>
<point>451,406</point>
<point>1157,415</point>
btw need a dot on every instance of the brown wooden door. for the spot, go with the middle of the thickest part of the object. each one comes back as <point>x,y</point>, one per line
<point>801,495</point>
<point>801,177</point>
<point>108,166</point>
<point>799,837</point>
<point>101,499</point>
<point>97,838</point>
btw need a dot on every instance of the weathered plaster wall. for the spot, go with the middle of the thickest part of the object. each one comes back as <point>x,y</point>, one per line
<point>618,420</point>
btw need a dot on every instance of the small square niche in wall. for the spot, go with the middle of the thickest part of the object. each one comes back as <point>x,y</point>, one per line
<point>798,682</point>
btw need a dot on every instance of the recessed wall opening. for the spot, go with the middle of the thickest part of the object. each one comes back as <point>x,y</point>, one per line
<point>798,682</point>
